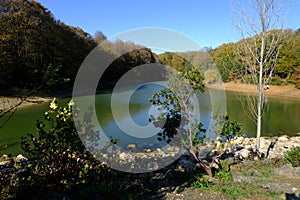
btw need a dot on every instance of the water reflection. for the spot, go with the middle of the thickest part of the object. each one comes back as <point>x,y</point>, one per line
<point>281,116</point>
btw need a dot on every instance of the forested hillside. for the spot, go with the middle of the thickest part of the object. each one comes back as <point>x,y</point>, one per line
<point>32,41</point>
<point>227,57</point>
<point>36,49</point>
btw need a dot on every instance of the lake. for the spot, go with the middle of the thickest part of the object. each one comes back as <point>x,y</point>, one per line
<point>281,116</point>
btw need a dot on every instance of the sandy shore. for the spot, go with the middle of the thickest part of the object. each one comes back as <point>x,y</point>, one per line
<point>9,102</point>
<point>281,91</point>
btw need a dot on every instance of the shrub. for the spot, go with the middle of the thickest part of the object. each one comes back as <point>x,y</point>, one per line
<point>276,81</point>
<point>291,79</point>
<point>200,181</point>
<point>248,78</point>
<point>59,164</point>
<point>293,157</point>
<point>223,175</point>
<point>297,77</point>
<point>211,76</point>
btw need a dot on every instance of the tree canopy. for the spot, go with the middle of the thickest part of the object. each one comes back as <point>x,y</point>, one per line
<point>288,59</point>
<point>35,47</point>
<point>31,40</point>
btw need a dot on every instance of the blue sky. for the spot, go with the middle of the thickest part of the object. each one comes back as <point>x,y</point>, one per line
<point>206,22</point>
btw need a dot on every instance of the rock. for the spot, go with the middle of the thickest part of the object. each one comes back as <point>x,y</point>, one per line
<point>204,152</point>
<point>249,147</point>
<point>247,141</point>
<point>131,146</point>
<point>125,157</point>
<point>141,155</point>
<point>278,187</point>
<point>276,146</point>
<point>264,143</point>
<point>147,150</point>
<point>288,171</point>
<point>21,158</point>
<point>177,149</point>
<point>118,152</point>
<point>152,166</point>
<point>4,157</point>
<point>3,163</point>
<point>185,165</point>
<point>159,150</point>
<point>242,178</point>
<point>243,154</point>
<point>239,140</point>
<point>283,138</point>
<point>105,156</point>
<point>170,149</point>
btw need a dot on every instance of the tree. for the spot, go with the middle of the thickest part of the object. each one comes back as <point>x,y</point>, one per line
<point>180,124</point>
<point>260,24</point>
<point>224,57</point>
<point>297,77</point>
<point>99,37</point>
<point>31,40</point>
<point>58,157</point>
<point>175,61</point>
<point>32,56</point>
<point>287,57</point>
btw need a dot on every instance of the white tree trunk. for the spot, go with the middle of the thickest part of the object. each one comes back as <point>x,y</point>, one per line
<point>260,24</point>
<point>260,81</point>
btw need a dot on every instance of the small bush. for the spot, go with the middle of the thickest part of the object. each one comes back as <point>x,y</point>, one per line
<point>211,76</point>
<point>247,79</point>
<point>276,81</point>
<point>200,181</point>
<point>293,157</point>
<point>291,79</point>
<point>224,175</point>
<point>58,164</point>
<point>297,77</point>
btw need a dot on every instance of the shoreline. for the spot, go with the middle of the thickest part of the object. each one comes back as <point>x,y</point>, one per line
<point>274,90</point>
<point>291,92</point>
<point>9,100</point>
<point>7,103</point>
<point>240,147</point>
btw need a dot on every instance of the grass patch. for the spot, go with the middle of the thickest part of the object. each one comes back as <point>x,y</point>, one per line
<point>261,171</point>
<point>293,157</point>
<point>199,180</point>
<point>224,175</point>
<point>244,190</point>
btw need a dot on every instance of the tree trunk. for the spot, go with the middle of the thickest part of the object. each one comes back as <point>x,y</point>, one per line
<point>259,108</point>
<point>201,163</point>
<point>258,131</point>
<point>260,87</point>
<point>261,45</point>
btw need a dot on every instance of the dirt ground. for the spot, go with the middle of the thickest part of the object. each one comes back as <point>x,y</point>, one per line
<point>7,103</point>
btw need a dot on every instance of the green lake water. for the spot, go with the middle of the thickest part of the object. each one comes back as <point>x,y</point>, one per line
<point>281,116</point>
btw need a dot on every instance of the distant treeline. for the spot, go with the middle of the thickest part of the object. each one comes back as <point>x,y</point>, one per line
<point>227,58</point>
<point>38,50</point>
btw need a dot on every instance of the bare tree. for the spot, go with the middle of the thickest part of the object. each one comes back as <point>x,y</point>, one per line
<point>260,24</point>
